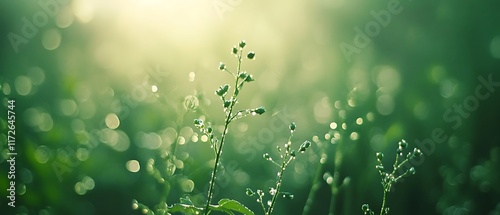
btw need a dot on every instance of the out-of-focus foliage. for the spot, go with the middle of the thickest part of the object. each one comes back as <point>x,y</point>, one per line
<point>105,92</point>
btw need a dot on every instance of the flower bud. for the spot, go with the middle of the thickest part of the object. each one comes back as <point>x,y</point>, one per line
<point>260,110</point>
<point>249,78</point>
<point>365,208</point>
<point>380,156</point>
<point>251,55</point>
<point>293,153</point>
<point>380,168</point>
<point>198,122</point>
<point>399,150</point>
<point>412,171</point>
<point>242,44</point>
<point>243,75</point>
<point>403,144</point>
<point>222,90</point>
<point>266,156</point>
<point>249,192</point>
<point>292,126</point>
<point>417,152</point>
<point>227,103</point>
<point>235,50</point>
<point>304,146</point>
<point>222,66</point>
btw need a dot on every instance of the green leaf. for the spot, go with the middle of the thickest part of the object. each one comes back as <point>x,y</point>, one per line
<point>184,208</point>
<point>234,206</point>
<point>186,200</point>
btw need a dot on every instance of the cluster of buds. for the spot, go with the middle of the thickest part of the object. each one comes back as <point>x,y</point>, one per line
<point>286,157</point>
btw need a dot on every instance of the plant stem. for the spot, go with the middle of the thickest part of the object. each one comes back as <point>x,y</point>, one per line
<point>223,138</point>
<point>383,202</point>
<point>278,185</point>
<point>214,172</point>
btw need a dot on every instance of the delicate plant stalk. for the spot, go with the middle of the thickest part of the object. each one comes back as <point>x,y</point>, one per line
<point>285,161</point>
<point>222,141</point>
<point>286,158</point>
<point>240,79</point>
<point>217,158</point>
<point>382,208</point>
<point>388,179</point>
<point>278,188</point>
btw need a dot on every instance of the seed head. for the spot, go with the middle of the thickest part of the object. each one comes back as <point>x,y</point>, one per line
<point>260,110</point>
<point>242,44</point>
<point>251,55</point>
<point>222,66</point>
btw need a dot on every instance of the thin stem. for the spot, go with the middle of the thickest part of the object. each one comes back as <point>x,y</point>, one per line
<point>223,139</point>
<point>383,202</point>
<point>261,203</point>
<point>285,162</point>
<point>278,186</point>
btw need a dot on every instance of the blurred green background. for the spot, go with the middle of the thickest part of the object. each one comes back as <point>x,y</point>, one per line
<point>100,88</point>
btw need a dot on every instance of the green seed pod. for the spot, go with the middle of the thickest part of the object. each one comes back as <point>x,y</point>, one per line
<point>242,44</point>
<point>403,144</point>
<point>380,156</point>
<point>249,78</point>
<point>243,75</point>
<point>260,192</point>
<point>227,103</point>
<point>380,168</point>
<point>365,208</point>
<point>198,122</point>
<point>251,55</point>
<point>209,129</point>
<point>412,171</point>
<point>293,126</point>
<point>417,152</point>
<point>293,153</point>
<point>260,110</point>
<point>249,192</point>
<point>266,156</point>
<point>235,50</point>
<point>222,66</point>
<point>222,90</point>
<point>399,150</point>
<point>304,146</point>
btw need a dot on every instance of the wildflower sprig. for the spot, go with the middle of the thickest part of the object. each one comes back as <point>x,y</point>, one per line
<point>229,100</point>
<point>400,170</point>
<point>286,156</point>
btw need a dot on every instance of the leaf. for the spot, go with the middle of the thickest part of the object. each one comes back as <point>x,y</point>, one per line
<point>186,200</point>
<point>234,205</point>
<point>184,208</point>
